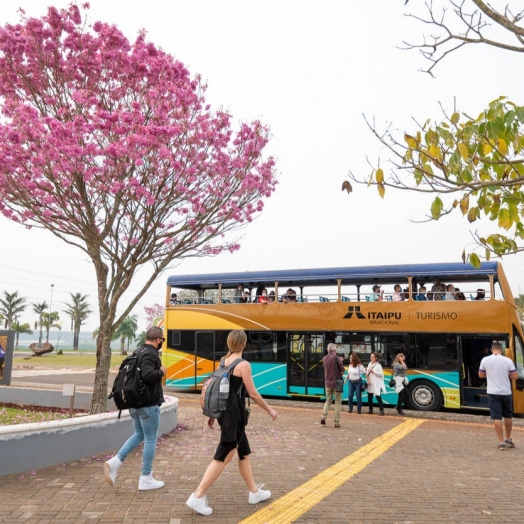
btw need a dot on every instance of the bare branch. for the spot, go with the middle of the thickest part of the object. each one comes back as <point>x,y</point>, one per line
<point>472,27</point>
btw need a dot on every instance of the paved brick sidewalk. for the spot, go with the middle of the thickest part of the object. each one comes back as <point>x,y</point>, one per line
<point>446,470</point>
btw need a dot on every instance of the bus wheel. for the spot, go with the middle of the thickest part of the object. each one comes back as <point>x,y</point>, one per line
<point>424,396</point>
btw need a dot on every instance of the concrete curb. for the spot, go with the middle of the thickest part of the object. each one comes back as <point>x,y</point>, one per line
<point>32,446</point>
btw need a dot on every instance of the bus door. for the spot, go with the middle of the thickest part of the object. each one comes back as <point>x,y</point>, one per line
<point>472,350</point>
<point>305,369</point>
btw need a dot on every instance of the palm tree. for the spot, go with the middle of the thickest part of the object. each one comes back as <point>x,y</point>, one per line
<point>49,321</point>
<point>126,331</point>
<point>141,339</point>
<point>10,306</point>
<point>19,329</point>
<point>78,310</point>
<point>39,309</point>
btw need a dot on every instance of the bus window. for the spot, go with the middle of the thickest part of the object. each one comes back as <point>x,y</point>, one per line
<point>259,346</point>
<point>363,344</point>
<point>395,343</point>
<point>499,294</point>
<point>205,344</point>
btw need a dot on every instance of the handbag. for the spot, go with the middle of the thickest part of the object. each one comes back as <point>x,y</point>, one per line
<point>392,381</point>
<point>363,385</point>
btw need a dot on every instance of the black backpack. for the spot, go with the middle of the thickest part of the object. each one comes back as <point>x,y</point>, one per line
<point>209,396</point>
<point>129,390</point>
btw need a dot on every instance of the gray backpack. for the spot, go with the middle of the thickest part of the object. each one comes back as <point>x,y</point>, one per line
<point>212,404</point>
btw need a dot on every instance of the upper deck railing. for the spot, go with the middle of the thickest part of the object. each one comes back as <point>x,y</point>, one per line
<point>343,284</point>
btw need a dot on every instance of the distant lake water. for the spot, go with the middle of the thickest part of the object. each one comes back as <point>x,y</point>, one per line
<point>64,340</point>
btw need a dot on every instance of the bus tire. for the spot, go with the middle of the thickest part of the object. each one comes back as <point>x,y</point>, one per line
<point>424,396</point>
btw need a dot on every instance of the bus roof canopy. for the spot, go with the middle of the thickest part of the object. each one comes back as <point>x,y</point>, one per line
<point>348,275</point>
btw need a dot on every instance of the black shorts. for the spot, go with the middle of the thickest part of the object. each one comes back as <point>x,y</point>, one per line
<point>500,406</point>
<point>224,448</point>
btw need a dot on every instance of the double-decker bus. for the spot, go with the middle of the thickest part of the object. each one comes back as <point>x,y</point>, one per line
<point>443,340</point>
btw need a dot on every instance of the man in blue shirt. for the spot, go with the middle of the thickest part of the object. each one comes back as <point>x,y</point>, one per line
<point>499,371</point>
<point>377,294</point>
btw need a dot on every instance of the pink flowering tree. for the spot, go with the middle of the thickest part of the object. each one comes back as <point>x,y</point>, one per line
<point>110,146</point>
<point>154,315</point>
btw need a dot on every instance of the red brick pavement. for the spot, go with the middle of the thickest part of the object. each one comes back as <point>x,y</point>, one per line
<point>447,470</point>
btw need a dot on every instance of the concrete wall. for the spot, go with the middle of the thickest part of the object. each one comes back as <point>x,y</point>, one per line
<point>26,447</point>
<point>48,398</point>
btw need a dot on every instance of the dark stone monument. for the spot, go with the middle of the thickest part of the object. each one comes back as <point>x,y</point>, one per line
<point>40,349</point>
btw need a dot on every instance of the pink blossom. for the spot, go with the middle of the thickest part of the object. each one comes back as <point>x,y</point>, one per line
<point>102,139</point>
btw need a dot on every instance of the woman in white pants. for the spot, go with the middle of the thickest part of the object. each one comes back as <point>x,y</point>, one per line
<point>375,376</point>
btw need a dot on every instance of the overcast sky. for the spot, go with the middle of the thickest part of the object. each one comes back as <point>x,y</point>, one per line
<point>310,70</point>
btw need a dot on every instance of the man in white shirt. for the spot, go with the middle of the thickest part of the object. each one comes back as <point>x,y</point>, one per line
<point>499,371</point>
<point>397,297</point>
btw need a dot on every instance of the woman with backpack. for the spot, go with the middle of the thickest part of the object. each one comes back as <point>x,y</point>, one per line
<point>233,429</point>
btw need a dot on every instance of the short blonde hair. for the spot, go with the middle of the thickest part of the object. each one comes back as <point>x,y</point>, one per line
<point>236,341</point>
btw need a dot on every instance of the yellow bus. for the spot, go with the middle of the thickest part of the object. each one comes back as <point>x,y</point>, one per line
<point>444,333</point>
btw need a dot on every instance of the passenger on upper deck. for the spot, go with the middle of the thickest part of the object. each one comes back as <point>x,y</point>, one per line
<point>247,297</point>
<point>450,293</point>
<point>377,295</point>
<point>481,294</point>
<point>421,296</point>
<point>292,295</point>
<point>239,293</point>
<point>459,295</point>
<point>271,296</point>
<point>397,297</point>
<point>173,300</point>
<point>438,290</point>
<point>258,293</point>
<point>263,298</point>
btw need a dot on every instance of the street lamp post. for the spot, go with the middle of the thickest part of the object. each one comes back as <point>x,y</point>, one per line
<point>50,312</point>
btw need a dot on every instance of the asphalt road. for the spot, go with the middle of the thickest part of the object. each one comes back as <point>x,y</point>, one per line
<point>41,377</point>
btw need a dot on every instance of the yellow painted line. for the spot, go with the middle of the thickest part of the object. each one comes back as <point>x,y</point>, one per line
<point>292,505</point>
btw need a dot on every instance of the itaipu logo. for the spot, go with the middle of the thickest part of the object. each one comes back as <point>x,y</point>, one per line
<point>375,317</point>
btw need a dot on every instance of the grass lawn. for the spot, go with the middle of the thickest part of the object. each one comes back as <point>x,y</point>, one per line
<point>10,414</point>
<point>87,360</point>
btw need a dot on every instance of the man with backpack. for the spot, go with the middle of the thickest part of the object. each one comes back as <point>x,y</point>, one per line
<point>146,419</point>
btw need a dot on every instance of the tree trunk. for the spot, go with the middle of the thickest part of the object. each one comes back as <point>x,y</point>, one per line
<point>122,346</point>
<point>76,335</point>
<point>103,363</point>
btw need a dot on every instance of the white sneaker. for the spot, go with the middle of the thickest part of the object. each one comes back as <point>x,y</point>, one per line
<point>199,505</point>
<point>259,496</point>
<point>111,469</point>
<point>148,482</point>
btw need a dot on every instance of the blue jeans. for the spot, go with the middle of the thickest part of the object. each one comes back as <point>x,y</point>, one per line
<point>146,422</point>
<point>355,387</point>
